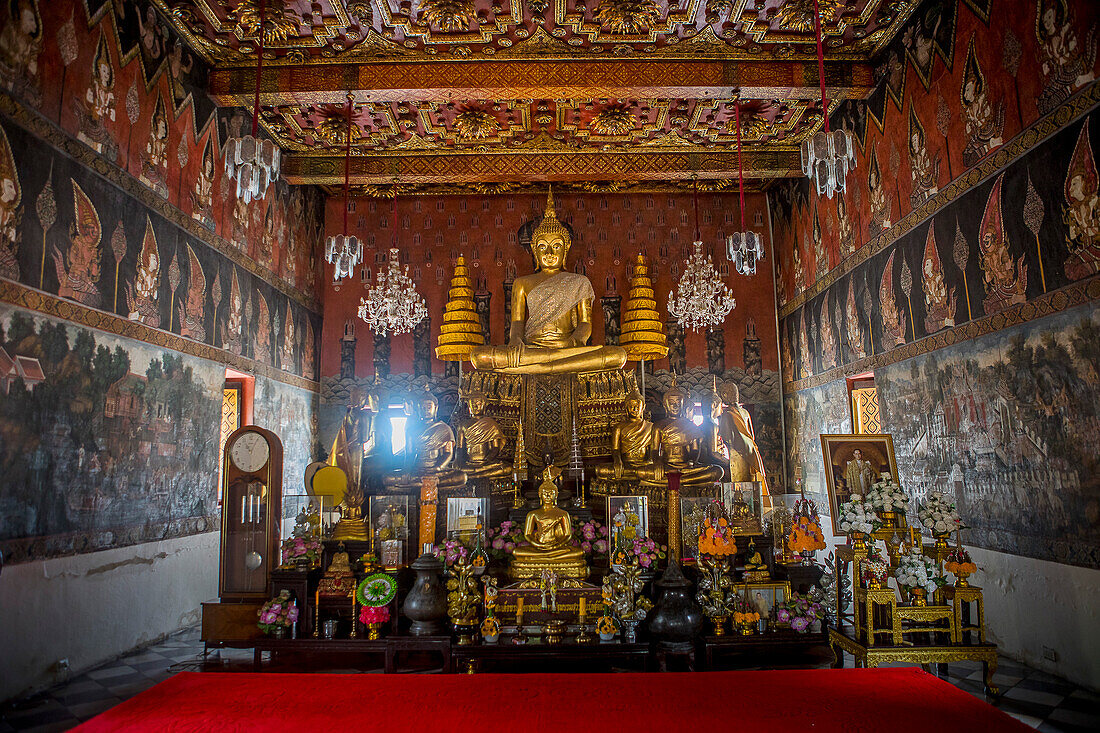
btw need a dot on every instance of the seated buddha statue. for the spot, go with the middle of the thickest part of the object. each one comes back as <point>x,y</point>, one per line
<point>481,443</point>
<point>551,315</point>
<point>679,443</point>
<point>429,451</point>
<point>548,530</point>
<point>634,444</point>
<point>733,442</point>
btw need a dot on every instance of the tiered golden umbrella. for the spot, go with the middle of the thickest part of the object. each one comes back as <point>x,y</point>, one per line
<point>461,330</point>
<point>643,334</point>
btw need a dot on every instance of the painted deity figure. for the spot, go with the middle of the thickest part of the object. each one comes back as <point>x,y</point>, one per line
<point>240,223</point>
<point>202,193</point>
<point>262,348</point>
<point>11,211</point>
<point>679,446</point>
<point>1066,63</point>
<point>192,310</point>
<point>938,300</point>
<point>855,331</point>
<point>924,169</point>
<point>551,315</point>
<point>1005,278</point>
<point>821,257</point>
<point>892,330</point>
<point>143,293</point>
<point>155,164</point>
<point>878,198</point>
<point>827,340</point>
<point>429,450</point>
<point>844,229</point>
<point>308,351</point>
<point>1081,212</point>
<point>78,271</point>
<point>634,445</point>
<point>859,474</point>
<point>480,442</point>
<point>98,105</point>
<point>799,270</point>
<point>234,322</point>
<point>983,123</point>
<point>805,356</point>
<point>286,351</point>
<point>20,44</point>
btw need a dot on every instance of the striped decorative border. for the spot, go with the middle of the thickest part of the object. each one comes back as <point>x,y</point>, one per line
<point>67,145</point>
<point>20,295</point>
<point>1071,296</point>
<point>1077,107</point>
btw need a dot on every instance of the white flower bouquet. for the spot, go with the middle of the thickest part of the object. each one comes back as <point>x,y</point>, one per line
<point>886,496</point>
<point>916,571</point>
<point>938,514</point>
<point>856,516</point>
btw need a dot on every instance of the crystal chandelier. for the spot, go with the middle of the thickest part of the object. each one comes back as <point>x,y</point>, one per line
<point>743,248</point>
<point>343,251</point>
<point>253,162</point>
<point>701,300</point>
<point>392,304</point>
<point>827,156</point>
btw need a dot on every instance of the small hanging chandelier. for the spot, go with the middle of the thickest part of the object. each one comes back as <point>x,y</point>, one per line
<point>344,251</point>
<point>252,162</point>
<point>392,304</point>
<point>744,248</point>
<point>701,300</point>
<point>827,156</point>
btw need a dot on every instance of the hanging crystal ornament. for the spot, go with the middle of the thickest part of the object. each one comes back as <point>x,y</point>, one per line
<point>392,304</point>
<point>701,300</point>
<point>252,162</point>
<point>344,251</point>
<point>827,156</point>
<point>744,248</point>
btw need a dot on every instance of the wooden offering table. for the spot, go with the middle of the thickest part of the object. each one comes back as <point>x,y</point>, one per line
<point>535,657</point>
<point>762,648</point>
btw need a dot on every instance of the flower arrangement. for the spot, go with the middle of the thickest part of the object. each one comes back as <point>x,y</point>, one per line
<point>800,613</point>
<point>916,571</point>
<point>279,612</point>
<point>886,496</point>
<point>958,563</point>
<point>805,535</point>
<point>642,550</point>
<point>451,551</point>
<point>374,615</point>
<point>503,540</point>
<point>938,514</point>
<point>715,533</point>
<point>592,538</point>
<point>298,547</point>
<point>873,571</point>
<point>856,516</point>
<point>490,627</point>
<point>606,625</point>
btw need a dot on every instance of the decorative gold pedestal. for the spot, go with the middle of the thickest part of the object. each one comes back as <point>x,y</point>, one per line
<point>960,600</point>
<point>867,600</point>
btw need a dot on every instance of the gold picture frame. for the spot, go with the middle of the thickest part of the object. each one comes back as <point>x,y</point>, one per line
<point>839,450</point>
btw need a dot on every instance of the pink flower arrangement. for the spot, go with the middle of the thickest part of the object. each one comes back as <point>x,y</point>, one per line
<point>451,551</point>
<point>503,540</point>
<point>644,550</point>
<point>592,538</point>
<point>374,614</point>
<point>279,611</point>
<point>301,547</point>
<point>800,613</point>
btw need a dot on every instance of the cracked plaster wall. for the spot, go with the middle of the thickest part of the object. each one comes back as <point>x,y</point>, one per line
<point>93,607</point>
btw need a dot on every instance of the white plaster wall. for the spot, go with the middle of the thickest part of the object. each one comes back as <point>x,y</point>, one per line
<point>91,608</point>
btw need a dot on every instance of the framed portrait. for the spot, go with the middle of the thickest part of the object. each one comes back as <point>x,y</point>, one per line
<point>768,596</point>
<point>852,464</point>
<point>466,518</point>
<point>628,517</point>
<point>389,521</point>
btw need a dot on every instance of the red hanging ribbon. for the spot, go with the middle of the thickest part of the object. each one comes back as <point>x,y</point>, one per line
<point>395,212</point>
<point>821,65</point>
<point>695,202</point>
<point>259,70</point>
<point>740,168</point>
<point>347,169</point>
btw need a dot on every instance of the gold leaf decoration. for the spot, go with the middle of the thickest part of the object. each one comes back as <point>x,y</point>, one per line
<point>798,15</point>
<point>334,130</point>
<point>628,16</point>
<point>447,15</point>
<point>475,124</point>
<point>613,121</point>
<point>280,22</point>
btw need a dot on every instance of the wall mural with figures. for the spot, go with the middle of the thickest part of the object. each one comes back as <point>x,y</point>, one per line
<point>113,76</point>
<point>967,285</point>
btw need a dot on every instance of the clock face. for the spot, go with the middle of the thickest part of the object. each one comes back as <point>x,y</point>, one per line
<point>250,452</point>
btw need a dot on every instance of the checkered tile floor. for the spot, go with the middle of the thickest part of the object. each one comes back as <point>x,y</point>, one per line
<point>1038,699</point>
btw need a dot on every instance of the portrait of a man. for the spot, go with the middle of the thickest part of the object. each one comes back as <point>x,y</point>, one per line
<point>853,463</point>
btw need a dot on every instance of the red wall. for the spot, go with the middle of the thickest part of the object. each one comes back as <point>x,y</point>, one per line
<point>610,229</point>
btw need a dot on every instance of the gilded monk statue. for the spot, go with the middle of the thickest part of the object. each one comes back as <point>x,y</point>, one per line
<point>733,440</point>
<point>680,443</point>
<point>481,443</point>
<point>429,450</point>
<point>551,315</point>
<point>634,444</point>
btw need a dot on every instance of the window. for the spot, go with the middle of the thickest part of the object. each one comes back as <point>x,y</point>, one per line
<point>863,400</point>
<point>236,411</point>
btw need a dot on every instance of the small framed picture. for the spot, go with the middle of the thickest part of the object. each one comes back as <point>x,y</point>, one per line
<point>693,512</point>
<point>766,596</point>
<point>466,519</point>
<point>389,521</point>
<point>628,517</point>
<point>744,506</point>
<point>852,464</point>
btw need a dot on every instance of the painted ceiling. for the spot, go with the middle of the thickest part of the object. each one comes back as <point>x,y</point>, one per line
<point>448,92</point>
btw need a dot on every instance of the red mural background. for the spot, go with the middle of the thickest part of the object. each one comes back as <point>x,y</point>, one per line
<point>609,231</point>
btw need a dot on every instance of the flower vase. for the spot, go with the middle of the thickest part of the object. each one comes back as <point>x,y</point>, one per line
<point>859,542</point>
<point>918,597</point>
<point>747,628</point>
<point>941,541</point>
<point>807,558</point>
<point>889,519</point>
<point>630,631</point>
<point>961,579</point>
<point>279,632</point>
<point>373,631</point>
<point>301,564</point>
<point>607,636</point>
<point>719,625</point>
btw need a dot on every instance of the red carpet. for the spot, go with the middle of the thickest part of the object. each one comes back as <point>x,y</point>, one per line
<point>895,700</point>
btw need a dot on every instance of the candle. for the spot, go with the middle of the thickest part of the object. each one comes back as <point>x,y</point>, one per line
<point>582,607</point>
<point>519,610</point>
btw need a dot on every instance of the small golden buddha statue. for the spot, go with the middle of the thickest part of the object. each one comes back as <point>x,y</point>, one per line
<point>338,579</point>
<point>551,315</point>
<point>680,442</point>
<point>429,451</point>
<point>481,443</point>
<point>733,442</point>
<point>549,530</point>
<point>634,444</point>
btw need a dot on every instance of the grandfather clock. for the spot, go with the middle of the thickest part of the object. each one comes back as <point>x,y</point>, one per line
<point>252,490</point>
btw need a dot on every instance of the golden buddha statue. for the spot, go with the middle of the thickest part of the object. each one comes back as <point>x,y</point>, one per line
<point>680,443</point>
<point>549,530</point>
<point>429,451</point>
<point>480,442</point>
<point>733,441</point>
<point>551,315</point>
<point>634,444</point>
